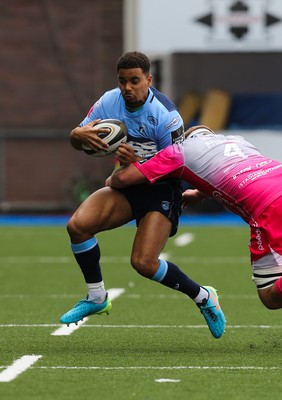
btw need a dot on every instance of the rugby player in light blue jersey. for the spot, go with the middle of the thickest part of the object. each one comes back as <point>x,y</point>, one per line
<point>153,124</point>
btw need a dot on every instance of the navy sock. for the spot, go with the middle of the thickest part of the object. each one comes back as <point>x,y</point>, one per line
<point>170,275</point>
<point>87,255</point>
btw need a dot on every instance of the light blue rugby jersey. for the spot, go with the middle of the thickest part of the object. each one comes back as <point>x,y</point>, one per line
<point>156,125</point>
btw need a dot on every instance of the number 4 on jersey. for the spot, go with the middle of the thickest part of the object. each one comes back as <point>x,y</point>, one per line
<point>231,150</point>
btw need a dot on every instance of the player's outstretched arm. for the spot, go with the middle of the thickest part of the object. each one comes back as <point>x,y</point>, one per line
<point>192,197</point>
<point>125,176</point>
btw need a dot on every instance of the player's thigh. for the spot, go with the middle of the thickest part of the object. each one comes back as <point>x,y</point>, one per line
<point>151,236</point>
<point>104,209</point>
<point>270,298</point>
<point>266,235</point>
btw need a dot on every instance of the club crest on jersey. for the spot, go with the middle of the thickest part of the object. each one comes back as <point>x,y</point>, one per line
<point>153,120</point>
<point>165,205</point>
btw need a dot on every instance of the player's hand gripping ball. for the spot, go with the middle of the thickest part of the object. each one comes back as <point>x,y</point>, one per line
<point>117,134</point>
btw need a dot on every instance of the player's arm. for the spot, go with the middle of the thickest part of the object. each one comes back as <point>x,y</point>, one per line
<point>173,134</point>
<point>125,176</point>
<point>193,197</point>
<point>88,135</point>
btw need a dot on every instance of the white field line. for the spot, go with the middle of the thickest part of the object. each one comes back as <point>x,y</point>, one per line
<point>164,256</point>
<point>65,330</point>
<point>18,367</point>
<point>23,260</point>
<point>170,296</point>
<point>29,325</point>
<point>68,330</point>
<point>180,241</point>
<point>184,239</point>
<point>159,368</point>
<point>165,380</point>
<point>34,260</point>
<point>141,326</point>
<point>177,297</point>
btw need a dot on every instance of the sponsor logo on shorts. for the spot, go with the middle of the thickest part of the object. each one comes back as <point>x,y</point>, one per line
<point>165,205</point>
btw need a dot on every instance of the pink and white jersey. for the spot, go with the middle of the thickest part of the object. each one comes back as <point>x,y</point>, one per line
<point>227,168</point>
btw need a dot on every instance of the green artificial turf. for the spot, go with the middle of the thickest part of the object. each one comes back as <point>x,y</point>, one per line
<point>152,333</point>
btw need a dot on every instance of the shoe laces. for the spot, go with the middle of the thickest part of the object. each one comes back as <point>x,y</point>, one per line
<point>211,314</point>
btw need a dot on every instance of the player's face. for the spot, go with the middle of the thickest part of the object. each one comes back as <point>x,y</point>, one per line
<point>134,85</point>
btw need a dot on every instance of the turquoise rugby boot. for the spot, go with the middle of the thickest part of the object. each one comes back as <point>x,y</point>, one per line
<point>84,308</point>
<point>212,313</point>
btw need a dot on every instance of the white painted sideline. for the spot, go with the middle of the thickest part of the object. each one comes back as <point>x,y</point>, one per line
<point>18,367</point>
<point>159,368</point>
<point>23,260</point>
<point>164,368</point>
<point>142,326</point>
<point>68,330</point>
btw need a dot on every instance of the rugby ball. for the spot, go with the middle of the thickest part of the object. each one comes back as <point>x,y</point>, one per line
<point>117,134</point>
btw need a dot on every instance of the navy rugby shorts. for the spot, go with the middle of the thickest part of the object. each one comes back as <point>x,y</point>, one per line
<point>163,196</point>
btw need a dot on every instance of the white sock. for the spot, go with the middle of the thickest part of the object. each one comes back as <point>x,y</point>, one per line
<point>202,295</point>
<point>96,292</point>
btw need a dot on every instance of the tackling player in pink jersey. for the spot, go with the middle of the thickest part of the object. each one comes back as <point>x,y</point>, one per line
<point>236,174</point>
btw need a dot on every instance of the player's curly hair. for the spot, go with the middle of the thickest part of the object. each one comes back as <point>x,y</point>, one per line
<point>134,59</point>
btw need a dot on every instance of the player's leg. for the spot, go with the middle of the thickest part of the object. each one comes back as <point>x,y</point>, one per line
<point>271,297</point>
<point>152,234</point>
<point>104,209</point>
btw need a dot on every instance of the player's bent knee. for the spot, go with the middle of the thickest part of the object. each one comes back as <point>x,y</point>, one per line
<point>142,270</point>
<point>144,266</point>
<point>71,227</point>
<point>76,232</point>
